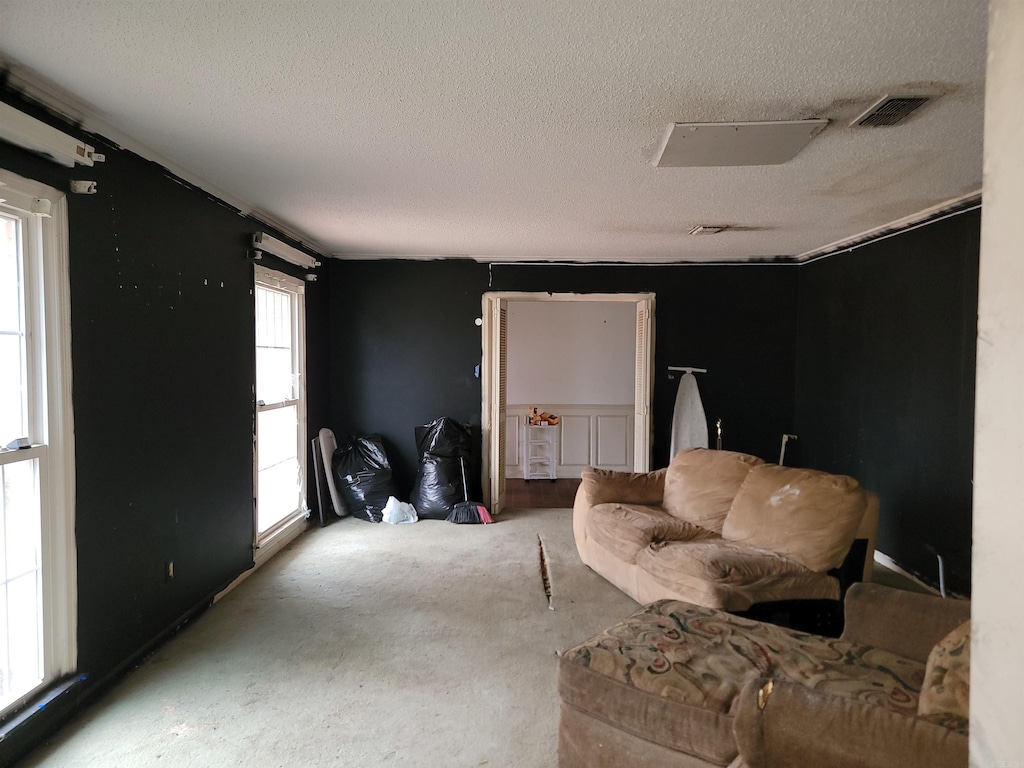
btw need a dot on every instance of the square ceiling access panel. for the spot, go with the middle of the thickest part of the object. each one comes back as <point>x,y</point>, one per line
<point>690,145</point>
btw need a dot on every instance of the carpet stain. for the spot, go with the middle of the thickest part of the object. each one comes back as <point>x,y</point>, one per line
<point>182,730</point>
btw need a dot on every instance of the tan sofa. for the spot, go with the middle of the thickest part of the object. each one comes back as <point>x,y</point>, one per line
<point>725,530</point>
<point>680,686</point>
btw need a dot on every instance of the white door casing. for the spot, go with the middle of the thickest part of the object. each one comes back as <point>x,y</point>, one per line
<point>493,376</point>
<point>644,384</point>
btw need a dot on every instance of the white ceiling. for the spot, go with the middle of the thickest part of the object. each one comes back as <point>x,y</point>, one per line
<point>527,130</point>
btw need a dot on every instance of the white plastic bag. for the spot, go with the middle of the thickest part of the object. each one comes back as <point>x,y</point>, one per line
<point>398,512</point>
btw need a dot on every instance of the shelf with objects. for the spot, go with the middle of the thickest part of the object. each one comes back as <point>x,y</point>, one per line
<point>539,446</point>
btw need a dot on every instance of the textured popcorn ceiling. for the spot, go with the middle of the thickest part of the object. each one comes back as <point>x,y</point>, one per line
<point>527,130</point>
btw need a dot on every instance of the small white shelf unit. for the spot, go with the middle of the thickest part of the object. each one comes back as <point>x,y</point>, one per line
<point>539,444</point>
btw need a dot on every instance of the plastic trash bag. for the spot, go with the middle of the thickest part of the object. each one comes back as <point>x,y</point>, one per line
<point>363,475</point>
<point>438,487</point>
<point>445,437</point>
<point>399,512</point>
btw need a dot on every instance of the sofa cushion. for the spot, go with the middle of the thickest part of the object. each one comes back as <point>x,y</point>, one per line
<point>718,560</point>
<point>700,484</point>
<point>605,485</point>
<point>729,576</point>
<point>809,516</point>
<point>671,673</point>
<point>947,684</point>
<point>625,529</point>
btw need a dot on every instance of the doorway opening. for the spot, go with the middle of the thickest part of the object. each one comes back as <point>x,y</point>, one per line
<point>598,434</point>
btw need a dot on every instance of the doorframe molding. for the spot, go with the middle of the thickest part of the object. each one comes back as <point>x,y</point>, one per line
<point>490,356</point>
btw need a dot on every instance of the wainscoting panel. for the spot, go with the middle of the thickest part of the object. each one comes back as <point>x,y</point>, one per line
<point>589,436</point>
<point>574,441</point>
<point>613,440</point>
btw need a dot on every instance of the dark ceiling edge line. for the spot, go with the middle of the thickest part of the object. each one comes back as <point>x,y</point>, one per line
<point>954,207</point>
<point>775,261</point>
<point>962,206</point>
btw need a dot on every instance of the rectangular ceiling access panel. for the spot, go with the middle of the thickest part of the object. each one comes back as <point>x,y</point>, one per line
<point>691,145</point>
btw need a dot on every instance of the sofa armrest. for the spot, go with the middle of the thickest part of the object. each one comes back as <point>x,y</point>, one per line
<point>796,727</point>
<point>599,486</point>
<point>907,623</point>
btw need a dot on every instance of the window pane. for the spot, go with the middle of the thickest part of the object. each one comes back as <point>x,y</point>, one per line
<point>23,670</point>
<point>10,275</point>
<point>279,483</point>
<point>21,660</point>
<point>13,403</point>
<point>275,374</point>
<point>21,517</point>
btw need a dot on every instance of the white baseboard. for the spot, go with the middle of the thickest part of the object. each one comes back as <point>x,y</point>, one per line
<point>279,541</point>
<point>887,562</point>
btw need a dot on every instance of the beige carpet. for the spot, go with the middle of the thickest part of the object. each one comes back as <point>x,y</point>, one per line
<point>363,645</point>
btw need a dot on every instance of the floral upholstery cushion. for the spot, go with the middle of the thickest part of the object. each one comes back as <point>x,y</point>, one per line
<point>704,656</point>
<point>947,680</point>
<point>671,674</point>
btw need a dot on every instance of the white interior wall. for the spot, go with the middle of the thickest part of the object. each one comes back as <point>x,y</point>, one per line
<point>571,352</point>
<point>997,621</point>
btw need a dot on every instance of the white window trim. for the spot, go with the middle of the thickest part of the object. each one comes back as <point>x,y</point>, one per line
<point>277,536</point>
<point>54,417</point>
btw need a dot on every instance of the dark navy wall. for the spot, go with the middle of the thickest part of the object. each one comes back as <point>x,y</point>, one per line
<point>868,357</point>
<point>739,322</point>
<point>885,385</point>
<point>404,350</point>
<point>163,370</point>
<point>404,346</point>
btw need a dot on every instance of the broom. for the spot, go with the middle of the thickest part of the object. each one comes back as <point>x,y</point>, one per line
<point>467,511</point>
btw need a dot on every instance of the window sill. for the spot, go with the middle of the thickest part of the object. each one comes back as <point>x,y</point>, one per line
<point>39,703</point>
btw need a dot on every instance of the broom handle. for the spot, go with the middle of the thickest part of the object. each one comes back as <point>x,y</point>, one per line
<point>465,488</point>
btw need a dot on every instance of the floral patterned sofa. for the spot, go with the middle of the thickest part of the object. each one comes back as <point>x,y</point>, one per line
<point>726,530</point>
<point>679,686</point>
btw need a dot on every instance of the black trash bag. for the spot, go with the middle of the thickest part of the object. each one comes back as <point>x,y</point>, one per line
<point>363,473</point>
<point>438,487</point>
<point>445,437</point>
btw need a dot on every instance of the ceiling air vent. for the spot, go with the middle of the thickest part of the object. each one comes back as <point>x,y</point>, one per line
<point>892,110</point>
<point>708,229</point>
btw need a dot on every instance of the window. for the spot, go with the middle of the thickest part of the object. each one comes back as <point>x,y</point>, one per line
<point>37,568</point>
<point>280,402</point>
